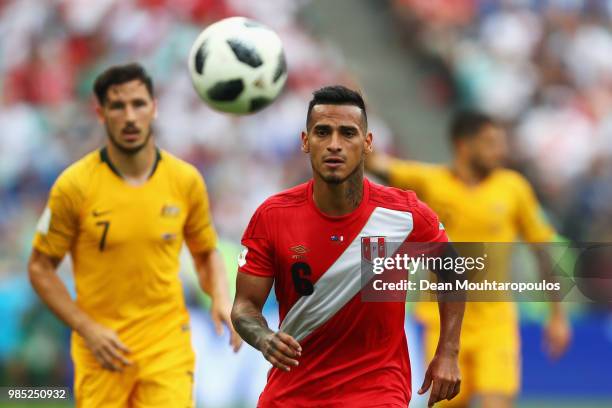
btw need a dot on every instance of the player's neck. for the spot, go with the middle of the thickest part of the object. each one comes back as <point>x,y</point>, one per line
<point>136,168</point>
<point>338,199</point>
<point>464,172</point>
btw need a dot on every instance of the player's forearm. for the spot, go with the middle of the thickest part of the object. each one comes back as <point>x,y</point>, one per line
<point>212,276</point>
<point>557,310</point>
<point>451,318</point>
<point>250,323</point>
<point>54,294</point>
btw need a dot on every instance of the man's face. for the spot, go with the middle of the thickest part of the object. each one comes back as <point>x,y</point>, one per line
<point>487,150</point>
<point>127,114</point>
<point>337,141</point>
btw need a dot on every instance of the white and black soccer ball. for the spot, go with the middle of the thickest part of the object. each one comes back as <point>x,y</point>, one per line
<point>238,65</point>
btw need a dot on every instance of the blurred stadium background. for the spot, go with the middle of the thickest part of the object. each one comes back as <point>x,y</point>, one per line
<point>543,67</point>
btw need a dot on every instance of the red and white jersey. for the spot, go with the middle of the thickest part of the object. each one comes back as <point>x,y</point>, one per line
<point>354,353</point>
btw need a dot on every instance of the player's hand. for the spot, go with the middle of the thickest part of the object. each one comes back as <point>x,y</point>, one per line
<point>443,377</point>
<point>557,335</point>
<point>220,313</point>
<point>281,350</point>
<point>105,346</point>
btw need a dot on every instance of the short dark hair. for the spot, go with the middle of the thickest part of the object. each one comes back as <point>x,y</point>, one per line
<point>467,123</point>
<point>337,95</point>
<point>120,74</point>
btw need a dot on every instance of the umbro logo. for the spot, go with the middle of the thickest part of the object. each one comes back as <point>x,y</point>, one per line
<point>299,249</point>
<point>97,213</point>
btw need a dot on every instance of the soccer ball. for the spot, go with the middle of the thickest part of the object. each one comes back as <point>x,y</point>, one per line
<point>238,65</point>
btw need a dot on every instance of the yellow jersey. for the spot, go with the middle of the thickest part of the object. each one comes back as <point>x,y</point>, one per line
<point>125,242</point>
<point>502,208</point>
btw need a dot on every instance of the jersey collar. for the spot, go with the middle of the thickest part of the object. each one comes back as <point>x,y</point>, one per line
<point>105,159</point>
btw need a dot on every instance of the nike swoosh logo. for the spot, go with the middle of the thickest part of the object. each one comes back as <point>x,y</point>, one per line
<point>99,213</point>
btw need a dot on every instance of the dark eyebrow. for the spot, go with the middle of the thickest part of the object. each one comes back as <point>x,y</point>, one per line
<point>344,128</point>
<point>322,127</point>
<point>116,103</point>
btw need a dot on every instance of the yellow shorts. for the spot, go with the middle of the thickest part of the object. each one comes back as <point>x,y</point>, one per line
<point>489,360</point>
<point>161,380</point>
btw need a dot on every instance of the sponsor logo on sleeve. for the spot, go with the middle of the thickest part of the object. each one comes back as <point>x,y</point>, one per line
<point>242,257</point>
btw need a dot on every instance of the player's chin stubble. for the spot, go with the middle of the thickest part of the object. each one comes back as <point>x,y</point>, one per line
<point>333,179</point>
<point>130,151</point>
<point>481,168</point>
<point>356,173</point>
<point>354,180</point>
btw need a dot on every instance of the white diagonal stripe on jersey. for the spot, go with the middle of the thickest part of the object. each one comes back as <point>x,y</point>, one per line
<point>342,281</point>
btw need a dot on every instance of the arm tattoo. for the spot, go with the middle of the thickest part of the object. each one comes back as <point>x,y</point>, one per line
<point>252,326</point>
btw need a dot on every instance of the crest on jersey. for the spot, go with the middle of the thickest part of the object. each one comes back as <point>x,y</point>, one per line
<point>169,210</point>
<point>372,248</point>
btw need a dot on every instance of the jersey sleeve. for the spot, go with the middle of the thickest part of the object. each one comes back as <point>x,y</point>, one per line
<point>59,222</point>
<point>531,222</point>
<point>199,230</point>
<point>408,175</point>
<point>426,225</point>
<point>257,256</point>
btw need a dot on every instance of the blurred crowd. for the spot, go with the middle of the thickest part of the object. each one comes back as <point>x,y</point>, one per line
<point>542,67</point>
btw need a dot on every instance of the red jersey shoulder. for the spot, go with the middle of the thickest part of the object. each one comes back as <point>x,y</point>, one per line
<point>424,218</point>
<point>392,198</point>
<point>294,196</point>
<point>427,226</point>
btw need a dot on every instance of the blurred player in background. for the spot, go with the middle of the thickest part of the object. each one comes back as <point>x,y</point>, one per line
<point>332,348</point>
<point>123,213</point>
<point>479,201</point>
